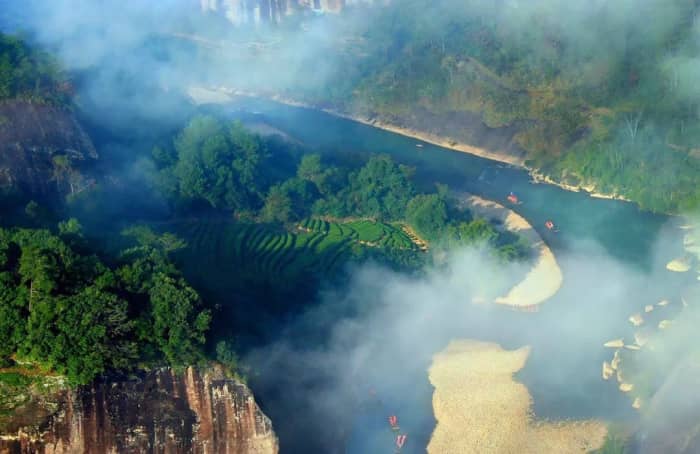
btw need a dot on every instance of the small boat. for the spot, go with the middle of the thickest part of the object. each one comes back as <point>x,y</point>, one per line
<point>549,225</point>
<point>512,198</point>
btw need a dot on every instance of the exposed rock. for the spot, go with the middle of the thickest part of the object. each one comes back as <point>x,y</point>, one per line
<point>663,324</point>
<point>663,303</point>
<point>679,265</point>
<point>159,411</point>
<point>608,371</point>
<point>637,403</point>
<point>615,343</point>
<point>626,387</point>
<point>636,319</point>
<point>32,137</point>
<point>615,363</point>
<point>632,347</point>
<point>648,308</point>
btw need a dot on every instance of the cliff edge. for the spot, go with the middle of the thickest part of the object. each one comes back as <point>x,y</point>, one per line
<point>161,411</point>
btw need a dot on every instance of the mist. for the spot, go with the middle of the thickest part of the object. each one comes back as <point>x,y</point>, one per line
<point>372,339</point>
<point>384,327</point>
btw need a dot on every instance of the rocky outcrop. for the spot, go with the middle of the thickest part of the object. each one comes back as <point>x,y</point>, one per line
<point>40,148</point>
<point>161,411</point>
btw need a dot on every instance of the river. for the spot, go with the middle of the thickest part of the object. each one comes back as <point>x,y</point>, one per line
<point>571,388</point>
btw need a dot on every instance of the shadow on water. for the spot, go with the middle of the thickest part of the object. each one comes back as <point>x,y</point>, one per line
<point>563,372</point>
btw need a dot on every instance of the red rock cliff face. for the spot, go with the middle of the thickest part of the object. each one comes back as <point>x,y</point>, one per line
<point>158,412</point>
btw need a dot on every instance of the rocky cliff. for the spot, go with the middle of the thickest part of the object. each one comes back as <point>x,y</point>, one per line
<point>162,411</point>
<point>40,148</point>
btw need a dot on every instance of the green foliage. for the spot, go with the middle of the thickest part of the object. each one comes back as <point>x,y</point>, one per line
<point>69,312</point>
<point>380,189</point>
<point>233,257</point>
<point>226,355</point>
<point>178,325</point>
<point>213,163</point>
<point>278,205</point>
<point>30,74</point>
<point>14,379</point>
<point>427,213</point>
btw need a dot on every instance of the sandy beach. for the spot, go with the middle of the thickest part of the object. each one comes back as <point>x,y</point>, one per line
<point>480,408</point>
<point>221,95</point>
<point>545,278</point>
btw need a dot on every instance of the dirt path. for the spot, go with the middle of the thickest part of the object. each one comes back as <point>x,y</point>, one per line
<point>480,408</point>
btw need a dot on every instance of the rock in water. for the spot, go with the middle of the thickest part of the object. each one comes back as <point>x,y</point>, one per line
<point>626,387</point>
<point>615,343</point>
<point>679,265</point>
<point>637,404</point>
<point>607,371</point>
<point>160,411</point>
<point>648,308</point>
<point>616,360</point>
<point>663,324</point>
<point>636,319</point>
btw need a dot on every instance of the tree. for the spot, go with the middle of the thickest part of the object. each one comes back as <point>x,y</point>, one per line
<point>380,189</point>
<point>217,165</point>
<point>427,213</point>
<point>278,205</point>
<point>311,169</point>
<point>178,325</point>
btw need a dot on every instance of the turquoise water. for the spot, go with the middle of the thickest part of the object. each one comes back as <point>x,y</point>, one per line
<point>563,372</point>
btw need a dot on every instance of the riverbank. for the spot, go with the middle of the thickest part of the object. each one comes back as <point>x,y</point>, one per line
<point>545,278</point>
<point>480,408</point>
<point>223,95</point>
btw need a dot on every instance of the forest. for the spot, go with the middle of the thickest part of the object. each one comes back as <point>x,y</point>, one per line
<point>31,74</point>
<point>225,167</point>
<point>64,308</point>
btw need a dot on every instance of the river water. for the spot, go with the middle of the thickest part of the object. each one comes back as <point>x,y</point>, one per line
<point>568,387</point>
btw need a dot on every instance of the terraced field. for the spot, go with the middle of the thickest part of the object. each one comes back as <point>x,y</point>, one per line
<point>222,251</point>
<point>365,232</point>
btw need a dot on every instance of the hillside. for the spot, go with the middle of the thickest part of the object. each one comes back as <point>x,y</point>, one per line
<point>42,145</point>
<point>590,93</point>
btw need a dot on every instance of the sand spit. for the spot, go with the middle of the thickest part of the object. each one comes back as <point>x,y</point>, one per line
<point>480,408</point>
<point>545,277</point>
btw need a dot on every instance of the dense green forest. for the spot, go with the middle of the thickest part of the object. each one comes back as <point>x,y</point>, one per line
<point>66,309</point>
<point>30,74</point>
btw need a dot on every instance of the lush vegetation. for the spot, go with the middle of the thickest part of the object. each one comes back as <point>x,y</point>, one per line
<point>64,308</point>
<point>600,98</point>
<point>227,257</point>
<point>28,73</point>
<point>224,167</point>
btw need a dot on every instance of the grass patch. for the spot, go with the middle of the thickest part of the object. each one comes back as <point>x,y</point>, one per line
<point>15,379</point>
